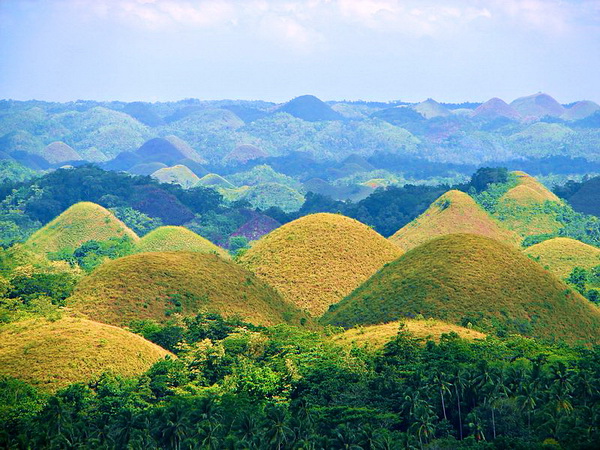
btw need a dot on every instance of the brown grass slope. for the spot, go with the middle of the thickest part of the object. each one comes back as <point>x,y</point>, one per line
<point>156,285</point>
<point>51,355</point>
<point>376,336</point>
<point>453,212</point>
<point>561,255</point>
<point>468,278</point>
<point>82,222</point>
<point>172,238</point>
<point>316,260</point>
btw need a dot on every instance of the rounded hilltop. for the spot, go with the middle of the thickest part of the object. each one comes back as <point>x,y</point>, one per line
<point>453,212</point>
<point>81,222</point>
<point>54,354</point>
<point>173,238</point>
<point>466,278</point>
<point>561,255</point>
<point>316,260</point>
<point>159,285</point>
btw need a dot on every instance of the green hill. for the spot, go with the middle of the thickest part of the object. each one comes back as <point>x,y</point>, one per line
<point>82,222</point>
<point>185,149</point>
<point>178,174</point>
<point>523,208</point>
<point>316,260</point>
<point>54,354</point>
<point>267,195</point>
<point>453,212</point>
<point>160,284</point>
<point>462,278</point>
<point>170,238</point>
<point>215,180</point>
<point>430,109</point>
<point>561,255</point>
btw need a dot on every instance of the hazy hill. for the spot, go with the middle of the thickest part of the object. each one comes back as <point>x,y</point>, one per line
<point>464,278</point>
<point>59,152</point>
<point>495,108</point>
<point>244,153</point>
<point>158,285</point>
<point>316,260</point>
<point>581,110</point>
<point>309,108</point>
<point>82,222</point>
<point>453,212</point>
<point>537,105</point>
<point>54,354</point>
<point>430,109</point>
<point>178,174</point>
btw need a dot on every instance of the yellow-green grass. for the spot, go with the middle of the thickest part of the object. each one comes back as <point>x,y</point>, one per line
<point>215,180</point>
<point>376,336</point>
<point>561,255</point>
<point>157,285</point>
<point>453,212</point>
<point>178,174</point>
<point>522,210</point>
<point>318,259</point>
<point>462,278</point>
<point>171,238</point>
<point>82,222</point>
<point>53,354</point>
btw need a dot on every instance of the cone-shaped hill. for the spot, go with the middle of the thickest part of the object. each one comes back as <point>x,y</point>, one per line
<point>215,180</point>
<point>453,212</point>
<point>376,336</point>
<point>463,278</point>
<point>538,105</point>
<point>561,255</point>
<point>244,153</point>
<point>159,284</point>
<point>171,238</point>
<point>59,152</point>
<point>316,260</point>
<point>581,110</point>
<point>494,108</point>
<point>521,208</point>
<point>52,355</point>
<point>178,174</point>
<point>82,222</point>
<point>309,108</point>
<point>430,109</point>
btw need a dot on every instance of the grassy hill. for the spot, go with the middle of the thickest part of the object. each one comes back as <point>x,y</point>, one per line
<point>377,336</point>
<point>309,108</point>
<point>215,180</point>
<point>244,153</point>
<point>316,260</point>
<point>266,195</point>
<point>178,174</point>
<point>494,108</point>
<point>158,285</point>
<point>430,109</point>
<point>523,207</point>
<point>453,212</point>
<point>561,255</point>
<point>538,105</point>
<point>58,152</point>
<point>82,222</point>
<point>54,354</point>
<point>170,238</point>
<point>580,110</point>
<point>462,278</point>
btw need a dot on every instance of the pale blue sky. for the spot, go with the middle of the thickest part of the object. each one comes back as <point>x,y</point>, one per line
<point>151,50</point>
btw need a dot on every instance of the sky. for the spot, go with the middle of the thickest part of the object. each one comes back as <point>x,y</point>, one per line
<point>275,50</point>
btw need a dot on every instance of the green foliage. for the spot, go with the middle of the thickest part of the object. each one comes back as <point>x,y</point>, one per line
<point>139,222</point>
<point>55,286</point>
<point>91,254</point>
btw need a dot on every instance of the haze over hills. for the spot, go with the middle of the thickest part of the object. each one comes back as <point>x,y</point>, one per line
<point>464,278</point>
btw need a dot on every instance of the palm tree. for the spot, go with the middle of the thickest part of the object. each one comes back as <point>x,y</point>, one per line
<point>278,430</point>
<point>528,400</point>
<point>438,379</point>
<point>460,380</point>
